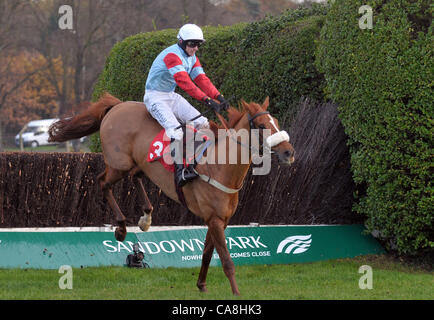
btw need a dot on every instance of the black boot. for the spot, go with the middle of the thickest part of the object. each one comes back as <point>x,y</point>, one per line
<point>184,175</point>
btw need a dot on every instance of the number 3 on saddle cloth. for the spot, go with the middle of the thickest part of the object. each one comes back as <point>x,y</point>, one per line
<point>159,149</point>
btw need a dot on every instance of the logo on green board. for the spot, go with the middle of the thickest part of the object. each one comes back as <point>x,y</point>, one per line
<point>295,244</point>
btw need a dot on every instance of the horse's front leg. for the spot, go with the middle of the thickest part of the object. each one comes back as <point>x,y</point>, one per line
<point>146,220</point>
<point>217,228</point>
<point>106,180</point>
<point>206,259</point>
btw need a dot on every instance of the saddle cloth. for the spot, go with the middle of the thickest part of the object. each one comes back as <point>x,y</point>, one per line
<point>159,149</point>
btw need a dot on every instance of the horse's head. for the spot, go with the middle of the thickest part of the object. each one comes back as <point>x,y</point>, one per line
<point>278,141</point>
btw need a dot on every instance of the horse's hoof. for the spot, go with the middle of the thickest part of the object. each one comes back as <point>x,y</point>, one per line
<point>202,287</point>
<point>145,222</point>
<point>120,235</point>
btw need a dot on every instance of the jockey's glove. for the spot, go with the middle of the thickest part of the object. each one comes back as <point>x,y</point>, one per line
<point>212,104</point>
<point>223,102</point>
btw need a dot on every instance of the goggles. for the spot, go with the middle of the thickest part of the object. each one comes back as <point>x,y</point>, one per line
<point>193,43</point>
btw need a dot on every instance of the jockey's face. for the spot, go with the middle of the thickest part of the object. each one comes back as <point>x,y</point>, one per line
<point>191,51</point>
<point>191,46</point>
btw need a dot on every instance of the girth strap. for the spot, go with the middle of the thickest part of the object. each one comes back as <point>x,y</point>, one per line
<point>217,184</point>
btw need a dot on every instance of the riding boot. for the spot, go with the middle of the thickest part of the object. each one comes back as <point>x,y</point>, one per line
<point>182,174</point>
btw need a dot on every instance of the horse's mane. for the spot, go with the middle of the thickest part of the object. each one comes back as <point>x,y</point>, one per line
<point>234,116</point>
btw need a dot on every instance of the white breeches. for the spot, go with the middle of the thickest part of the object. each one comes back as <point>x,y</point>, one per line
<point>169,109</point>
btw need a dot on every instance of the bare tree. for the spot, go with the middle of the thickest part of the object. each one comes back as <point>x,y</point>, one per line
<point>91,18</point>
<point>10,82</point>
<point>71,54</point>
<point>44,37</point>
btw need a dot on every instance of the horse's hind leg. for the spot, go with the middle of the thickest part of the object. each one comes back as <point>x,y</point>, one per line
<point>106,180</point>
<point>206,259</point>
<point>146,220</point>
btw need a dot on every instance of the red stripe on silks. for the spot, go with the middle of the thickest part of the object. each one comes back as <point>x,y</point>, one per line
<point>206,85</point>
<point>172,60</point>
<point>184,82</point>
<point>197,63</point>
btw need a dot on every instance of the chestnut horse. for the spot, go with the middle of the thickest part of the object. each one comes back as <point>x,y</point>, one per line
<point>126,131</point>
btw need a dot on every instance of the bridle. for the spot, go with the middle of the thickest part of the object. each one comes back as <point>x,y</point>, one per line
<point>251,118</point>
<point>271,141</point>
<point>252,125</point>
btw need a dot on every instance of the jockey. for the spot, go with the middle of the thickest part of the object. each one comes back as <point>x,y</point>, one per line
<point>178,65</point>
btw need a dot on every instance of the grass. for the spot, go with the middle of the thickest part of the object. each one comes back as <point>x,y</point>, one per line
<point>334,279</point>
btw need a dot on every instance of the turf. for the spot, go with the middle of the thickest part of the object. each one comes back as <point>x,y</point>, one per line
<point>334,279</point>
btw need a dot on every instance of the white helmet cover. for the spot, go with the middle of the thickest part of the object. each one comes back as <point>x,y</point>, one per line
<point>190,32</point>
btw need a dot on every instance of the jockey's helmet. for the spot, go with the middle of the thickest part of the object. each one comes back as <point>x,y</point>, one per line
<point>190,31</point>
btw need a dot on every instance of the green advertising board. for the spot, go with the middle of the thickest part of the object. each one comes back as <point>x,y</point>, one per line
<point>183,248</point>
<point>50,250</point>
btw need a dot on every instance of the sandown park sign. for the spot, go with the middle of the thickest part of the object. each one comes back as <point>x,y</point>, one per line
<point>183,247</point>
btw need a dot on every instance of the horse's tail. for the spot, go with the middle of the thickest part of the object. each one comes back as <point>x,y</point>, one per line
<point>83,124</point>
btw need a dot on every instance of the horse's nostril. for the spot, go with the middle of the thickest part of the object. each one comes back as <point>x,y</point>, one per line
<point>288,154</point>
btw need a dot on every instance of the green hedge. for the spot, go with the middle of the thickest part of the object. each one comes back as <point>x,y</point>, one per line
<point>273,57</point>
<point>383,80</point>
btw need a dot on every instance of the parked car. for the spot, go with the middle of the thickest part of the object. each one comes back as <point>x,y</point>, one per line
<point>36,133</point>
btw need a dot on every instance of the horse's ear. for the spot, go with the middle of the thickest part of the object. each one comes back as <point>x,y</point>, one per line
<point>245,105</point>
<point>266,103</point>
